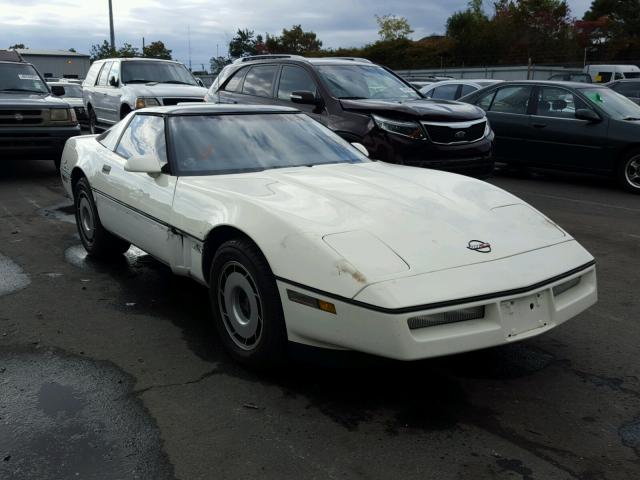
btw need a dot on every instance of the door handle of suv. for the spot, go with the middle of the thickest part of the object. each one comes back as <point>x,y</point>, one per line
<point>539,125</point>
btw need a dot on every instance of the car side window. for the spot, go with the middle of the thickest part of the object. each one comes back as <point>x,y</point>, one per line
<point>104,75</point>
<point>233,85</point>
<point>92,75</point>
<point>512,100</point>
<point>144,136</point>
<point>603,77</point>
<point>294,79</point>
<point>485,101</point>
<point>467,89</point>
<point>114,73</point>
<point>558,103</point>
<point>259,80</point>
<point>445,92</point>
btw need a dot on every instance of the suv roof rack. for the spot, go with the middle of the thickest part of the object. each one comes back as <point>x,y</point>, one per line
<point>351,59</point>
<point>267,57</point>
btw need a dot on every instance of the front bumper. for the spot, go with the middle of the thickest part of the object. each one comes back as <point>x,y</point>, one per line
<point>473,159</point>
<point>509,316</point>
<point>35,143</point>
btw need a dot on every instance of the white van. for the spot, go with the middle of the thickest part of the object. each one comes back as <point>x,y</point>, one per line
<point>609,73</point>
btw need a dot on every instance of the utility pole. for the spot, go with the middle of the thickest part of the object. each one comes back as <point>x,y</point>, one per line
<point>143,46</point>
<point>113,37</point>
<point>189,43</point>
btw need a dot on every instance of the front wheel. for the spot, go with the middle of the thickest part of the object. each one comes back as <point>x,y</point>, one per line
<point>93,121</point>
<point>629,172</point>
<point>97,241</point>
<point>246,305</point>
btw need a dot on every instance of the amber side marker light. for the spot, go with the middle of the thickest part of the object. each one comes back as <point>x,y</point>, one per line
<point>312,302</point>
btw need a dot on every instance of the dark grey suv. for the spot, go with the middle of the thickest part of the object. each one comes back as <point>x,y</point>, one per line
<point>368,104</point>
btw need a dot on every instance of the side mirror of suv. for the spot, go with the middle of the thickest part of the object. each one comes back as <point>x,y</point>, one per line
<point>588,115</point>
<point>58,90</point>
<point>113,81</point>
<point>304,97</point>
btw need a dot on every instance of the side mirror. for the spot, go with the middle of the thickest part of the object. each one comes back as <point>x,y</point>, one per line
<point>58,90</point>
<point>200,82</point>
<point>113,81</point>
<point>361,148</point>
<point>143,164</point>
<point>304,97</point>
<point>588,115</point>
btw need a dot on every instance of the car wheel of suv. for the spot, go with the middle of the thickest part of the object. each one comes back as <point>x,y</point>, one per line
<point>246,305</point>
<point>629,172</point>
<point>97,241</point>
<point>93,121</point>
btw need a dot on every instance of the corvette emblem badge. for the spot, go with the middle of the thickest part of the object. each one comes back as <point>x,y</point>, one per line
<point>479,246</point>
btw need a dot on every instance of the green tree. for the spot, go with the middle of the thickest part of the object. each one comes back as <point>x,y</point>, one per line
<point>101,50</point>
<point>156,50</point>
<point>243,44</point>
<point>391,27</point>
<point>18,46</point>
<point>127,51</point>
<point>218,63</point>
<point>297,41</point>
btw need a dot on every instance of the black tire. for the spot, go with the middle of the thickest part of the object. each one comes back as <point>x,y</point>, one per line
<point>57,162</point>
<point>124,111</point>
<point>628,174</point>
<point>93,121</point>
<point>239,270</point>
<point>97,241</point>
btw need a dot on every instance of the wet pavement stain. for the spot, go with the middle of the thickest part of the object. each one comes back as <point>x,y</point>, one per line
<point>515,466</point>
<point>65,416</point>
<point>630,435</point>
<point>12,277</point>
<point>65,212</point>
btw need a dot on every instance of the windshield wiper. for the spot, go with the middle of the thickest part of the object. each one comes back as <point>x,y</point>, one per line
<point>631,118</point>
<point>138,80</point>
<point>352,98</point>
<point>178,82</point>
<point>21,90</point>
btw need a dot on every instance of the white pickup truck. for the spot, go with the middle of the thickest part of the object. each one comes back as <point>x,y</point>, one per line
<point>116,86</point>
<point>609,73</point>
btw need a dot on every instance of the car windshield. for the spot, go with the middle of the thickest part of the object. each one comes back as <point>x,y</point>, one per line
<point>71,90</point>
<point>17,77</point>
<point>160,72</point>
<point>218,144</point>
<point>365,81</point>
<point>615,105</point>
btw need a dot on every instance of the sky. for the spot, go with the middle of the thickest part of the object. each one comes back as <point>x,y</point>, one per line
<point>210,24</point>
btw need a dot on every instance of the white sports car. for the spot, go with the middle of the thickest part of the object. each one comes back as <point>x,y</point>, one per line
<point>300,237</point>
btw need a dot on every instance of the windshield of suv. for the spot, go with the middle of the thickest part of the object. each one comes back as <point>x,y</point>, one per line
<point>365,81</point>
<point>219,144</point>
<point>160,72</point>
<point>18,77</point>
<point>615,105</point>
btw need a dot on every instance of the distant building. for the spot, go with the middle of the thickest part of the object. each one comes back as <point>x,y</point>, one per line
<point>57,63</point>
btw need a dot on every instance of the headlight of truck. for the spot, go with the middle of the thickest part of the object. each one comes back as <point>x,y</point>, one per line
<point>59,115</point>
<point>143,102</point>
<point>411,130</point>
<point>487,129</point>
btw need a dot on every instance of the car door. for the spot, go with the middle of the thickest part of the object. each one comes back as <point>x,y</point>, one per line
<point>293,79</point>
<point>137,206</point>
<point>113,93</point>
<point>258,85</point>
<point>557,138</point>
<point>100,100</point>
<point>507,109</point>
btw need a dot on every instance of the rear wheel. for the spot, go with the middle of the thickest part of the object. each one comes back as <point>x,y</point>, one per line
<point>93,121</point>
<point>246,305</point>
<point>95,238</point>
<point>629,172</point>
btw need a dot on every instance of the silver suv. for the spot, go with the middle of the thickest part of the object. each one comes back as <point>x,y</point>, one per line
<point>116,86</point>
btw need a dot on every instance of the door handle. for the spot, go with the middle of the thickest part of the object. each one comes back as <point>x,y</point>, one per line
<point>539,125</point>
<point>106,169</point>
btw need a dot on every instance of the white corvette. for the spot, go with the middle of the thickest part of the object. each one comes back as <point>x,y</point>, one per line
<point>300,237</point>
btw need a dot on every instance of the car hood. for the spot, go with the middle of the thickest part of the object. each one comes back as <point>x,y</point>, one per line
<point>168,90</point>
<point>411,220</point>
<point>422,109</point>
<point>26,100</point>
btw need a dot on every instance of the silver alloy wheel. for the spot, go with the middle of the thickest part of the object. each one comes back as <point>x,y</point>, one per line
<point>632,171</point>
<point>85,217</point>
<point>240,305</point>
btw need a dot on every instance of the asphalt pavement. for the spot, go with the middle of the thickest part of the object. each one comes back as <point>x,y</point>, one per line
<point>113,370</point>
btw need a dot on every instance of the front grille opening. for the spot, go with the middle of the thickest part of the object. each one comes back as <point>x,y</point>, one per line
<point>453,316</point>
<point>563,287</point>
<point>453,133</point>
